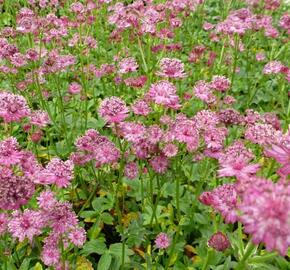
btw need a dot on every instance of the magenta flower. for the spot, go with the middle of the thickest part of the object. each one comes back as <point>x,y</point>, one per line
<point>171,68</point>
<point>13,108</point>
<point>266,214</point>
<point>219,241</point>
<point>162,241</point>
<point>238,168</point>
<point>26,225</point>
<point>113,110</point>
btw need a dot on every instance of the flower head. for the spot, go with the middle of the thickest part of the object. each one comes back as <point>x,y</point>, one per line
<point>13,108</point>
<point>113,110</point>
<point>171,68</point>
<point>219,241</point>
<point>266,214</point>
<point>162,241</point>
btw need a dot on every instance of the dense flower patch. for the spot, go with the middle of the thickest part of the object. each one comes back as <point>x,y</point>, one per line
<point>144,134</point>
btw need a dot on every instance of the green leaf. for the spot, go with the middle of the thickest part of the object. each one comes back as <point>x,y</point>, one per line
<point>103,203</point>
<point>105,261</point>
<point>107,218</point>
<point>94,246</point>
<point>88,214</point>
<point>25,264</point>
<point>117,249</point>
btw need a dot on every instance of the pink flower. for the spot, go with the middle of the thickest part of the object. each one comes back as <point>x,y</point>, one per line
<point>131,170</point>
<point>140,107</point>
<point>50,255</point>
<point>113,110</point>
<point>57,172</point>
<point>219,241</point>
<point>238,168</point>
<point>127,65</point>
<point>170,150</point>
<point>46,200</point>
<point>4,219</point>
<point>220,83</point>
<point>77,236</point>
<point>159,164</point>
<point>9,152</point>
<point>39,118</point>
<point>266,214</point>
<point>164,93</point>
<point>137,82</point>
<point>260,56</point>
<point>203,91</point>
<point>171,68</point>
<point>106,153</point>
<point>162,241</point>
<point>15,190</point>
<point>273,67</point>
<point>13,108</point>
<point>224,200</point>
<point>132,131</point>
<point>282,155</point>
<point>26,225</point>
<point>263,134</point>
<point>74,88</point>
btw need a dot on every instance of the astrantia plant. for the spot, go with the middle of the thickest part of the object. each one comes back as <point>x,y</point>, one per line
<point>144,134</point>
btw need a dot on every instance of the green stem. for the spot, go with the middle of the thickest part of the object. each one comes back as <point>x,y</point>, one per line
<point>249,251</point>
